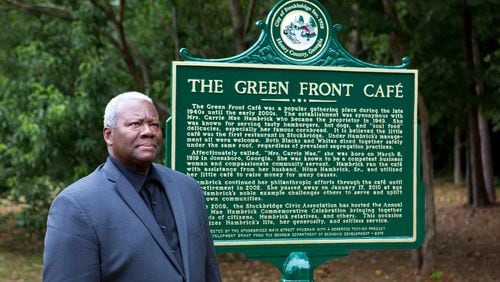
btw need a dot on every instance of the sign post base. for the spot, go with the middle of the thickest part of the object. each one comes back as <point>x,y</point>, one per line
<point>297,268</point>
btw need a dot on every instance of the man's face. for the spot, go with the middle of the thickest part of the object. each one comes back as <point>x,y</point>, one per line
<point>135,141</point>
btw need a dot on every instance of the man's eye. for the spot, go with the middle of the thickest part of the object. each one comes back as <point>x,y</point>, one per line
<point>135,124</point>
<point>155,125</point>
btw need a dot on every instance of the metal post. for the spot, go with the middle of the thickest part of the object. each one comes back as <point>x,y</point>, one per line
<point>297,268</point>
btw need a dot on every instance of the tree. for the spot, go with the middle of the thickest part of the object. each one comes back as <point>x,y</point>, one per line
<point>480,164</point>
<point>424,256</point>
<point>457,157</point>
<point>61,61</point>
<point>238,26</point>
<point>353,45</point>
<point>57,68</point>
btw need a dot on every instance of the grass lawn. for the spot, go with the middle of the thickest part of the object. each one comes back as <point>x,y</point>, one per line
<point>20,266</point>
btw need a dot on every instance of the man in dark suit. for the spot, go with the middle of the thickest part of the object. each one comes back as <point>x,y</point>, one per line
<point>130,219</point>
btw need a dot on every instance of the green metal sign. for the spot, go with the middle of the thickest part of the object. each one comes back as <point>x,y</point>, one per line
<point>300,147</point>
<point>299,155</point>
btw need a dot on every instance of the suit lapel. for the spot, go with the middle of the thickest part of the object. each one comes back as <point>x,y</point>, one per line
<point>137,205</point>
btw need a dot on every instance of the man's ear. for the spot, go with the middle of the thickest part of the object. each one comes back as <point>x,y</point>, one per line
<point>108,136</point>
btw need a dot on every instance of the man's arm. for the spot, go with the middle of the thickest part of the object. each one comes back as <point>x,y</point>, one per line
<point>71,252</point>
<point>212,271</point>
<point>212,267</point>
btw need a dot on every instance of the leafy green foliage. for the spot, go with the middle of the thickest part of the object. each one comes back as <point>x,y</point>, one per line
<point>50,86</point>
<point>59,68</point>
<point>436,275</point>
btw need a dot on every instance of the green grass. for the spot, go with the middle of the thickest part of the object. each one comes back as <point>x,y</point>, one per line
<point>20,267</point>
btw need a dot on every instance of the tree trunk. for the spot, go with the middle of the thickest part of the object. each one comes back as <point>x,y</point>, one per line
<point>203,24</point>
<point>175,32</point>
<point>457,157</point>
<point>172,29</point>
<point>486,157</point>
<point>427,249</point>
<point>424,256</point>
<point>468,179</point>
<point>397,35</point>
<point>483,124</point>
<point>477,180</point>
<point>249,18</point>
<point>354,42</point>
<point>238,26</point>
<point>479,196</point>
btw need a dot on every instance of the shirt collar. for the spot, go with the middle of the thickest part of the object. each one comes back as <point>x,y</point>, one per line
<point>136,179</point>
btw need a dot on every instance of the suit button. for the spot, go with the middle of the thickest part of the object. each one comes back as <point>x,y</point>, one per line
<point>154,203</point>
<point>163,227</point>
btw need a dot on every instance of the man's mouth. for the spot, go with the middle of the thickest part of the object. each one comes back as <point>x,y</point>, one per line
<point>147,145</point>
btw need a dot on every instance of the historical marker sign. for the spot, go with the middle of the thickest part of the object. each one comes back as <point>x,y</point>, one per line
<point>299,155</point>
<point>298,145</point>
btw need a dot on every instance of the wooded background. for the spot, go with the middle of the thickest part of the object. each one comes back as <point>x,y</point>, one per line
<point>62,60</point>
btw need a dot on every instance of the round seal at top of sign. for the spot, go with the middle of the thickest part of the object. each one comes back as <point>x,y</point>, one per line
<point>299,30</point>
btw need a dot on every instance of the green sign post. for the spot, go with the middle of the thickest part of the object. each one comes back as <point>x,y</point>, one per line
<point>302,150</point>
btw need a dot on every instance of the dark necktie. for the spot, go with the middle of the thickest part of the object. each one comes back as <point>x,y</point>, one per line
<point>162,211</point>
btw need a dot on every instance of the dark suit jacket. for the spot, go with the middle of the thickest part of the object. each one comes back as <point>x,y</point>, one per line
<point>99,229</point>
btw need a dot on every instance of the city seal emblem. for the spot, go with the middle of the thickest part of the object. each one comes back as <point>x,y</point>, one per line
<point>300,30</point>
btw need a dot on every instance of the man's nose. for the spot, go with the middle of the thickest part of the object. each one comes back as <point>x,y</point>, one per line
<point>147,130</point>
